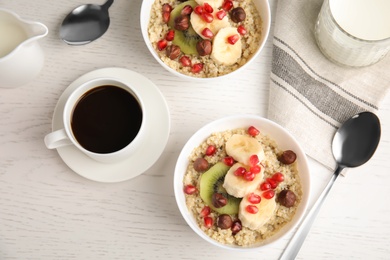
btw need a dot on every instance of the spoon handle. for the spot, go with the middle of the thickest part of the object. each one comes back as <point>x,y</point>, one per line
<point>295,244</point>
<point>107,4</point>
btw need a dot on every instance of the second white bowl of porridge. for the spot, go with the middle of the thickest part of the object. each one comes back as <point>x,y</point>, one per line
<point>205,39</point>
<point>242,182</point>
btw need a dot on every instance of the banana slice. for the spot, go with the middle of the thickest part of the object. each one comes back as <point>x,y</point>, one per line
<point>237,186</point>
<point>266,209</point>
<point>198,24</point>
<point>242,147</point>
<point>214,3</point>
<point>223,52</point>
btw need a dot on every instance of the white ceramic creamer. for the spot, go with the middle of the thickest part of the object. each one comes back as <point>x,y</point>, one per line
<point>21,57</point>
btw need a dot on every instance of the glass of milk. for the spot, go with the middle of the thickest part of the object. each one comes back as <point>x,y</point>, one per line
<point>354,32</point>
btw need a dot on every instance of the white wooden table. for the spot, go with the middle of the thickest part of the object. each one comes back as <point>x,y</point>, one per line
<point>49,212</point>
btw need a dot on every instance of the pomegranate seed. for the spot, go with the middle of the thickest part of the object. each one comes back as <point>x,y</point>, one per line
<point>162,44</point>
<point>240,171</point>
<point>278,177</point>
<point>242,30</point>
<point>197,67</point>
<point>227,5</point>
<point>254,198</point>
<point>208,8</point>
<point>205,211</point>
<point>220,14</point>
<point>252,209</point>
<point>253,131</point>
<point>207,33</point>
<point>265,186</point>
<point>199,10</point>
<point>166,16</point>
<point>255,169</point>
<point>253,160</point>
<point>236,227</point>
<point>272,182</point>
<point>218,200</point>
<point>166,8</point>
<point>187,10</point>
<point>207,17</point>
<point>229,161</point>
<point>211,150</point>
<point>208,222</point>
<point>170,35</point>
<point>190,189</point>
<point>233,39</point>
<point>249,176</point>
<point>269,194</point>
<point>185,61</point>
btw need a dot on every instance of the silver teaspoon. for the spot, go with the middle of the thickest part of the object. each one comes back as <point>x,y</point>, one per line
<point>353,145</point>
<point>85,24</point>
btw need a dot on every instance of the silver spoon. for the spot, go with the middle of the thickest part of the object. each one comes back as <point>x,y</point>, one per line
<point>353,145</point>
<point>85,24</point>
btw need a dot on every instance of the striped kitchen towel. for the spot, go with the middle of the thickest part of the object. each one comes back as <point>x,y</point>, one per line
<point>309,95</point>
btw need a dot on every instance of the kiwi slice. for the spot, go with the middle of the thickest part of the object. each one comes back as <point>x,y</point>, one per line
<point>187,39</point>
<point>211,182</point>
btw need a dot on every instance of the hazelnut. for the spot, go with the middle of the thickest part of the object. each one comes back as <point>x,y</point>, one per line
<point>204,47</point>
<point>219,200</point>
<point>224,221</point>
<point>173,51</point>
<point>201,164</point>
<point>287,157</point>
<point>182,22</point>
<point>238,14</point>
<point>287,198</point>
<point>236,227</point>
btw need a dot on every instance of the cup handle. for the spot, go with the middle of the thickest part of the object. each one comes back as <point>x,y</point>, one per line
<point>57,139</point>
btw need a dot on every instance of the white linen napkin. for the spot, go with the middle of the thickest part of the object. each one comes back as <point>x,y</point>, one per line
<point>309,95</point>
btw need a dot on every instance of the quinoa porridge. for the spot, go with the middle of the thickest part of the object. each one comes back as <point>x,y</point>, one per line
<point>274,163</point>
<point>214,58</point>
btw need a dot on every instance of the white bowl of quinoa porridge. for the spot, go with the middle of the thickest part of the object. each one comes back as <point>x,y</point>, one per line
<point>242,182</point>
<point>205,39</point>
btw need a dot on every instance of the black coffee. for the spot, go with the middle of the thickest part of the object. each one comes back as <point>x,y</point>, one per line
<point>106,119</point>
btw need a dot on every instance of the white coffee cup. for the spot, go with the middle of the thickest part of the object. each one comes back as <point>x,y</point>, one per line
<point>104,118</point>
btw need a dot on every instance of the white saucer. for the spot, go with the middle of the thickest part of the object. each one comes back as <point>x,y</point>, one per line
<point>158,127</point>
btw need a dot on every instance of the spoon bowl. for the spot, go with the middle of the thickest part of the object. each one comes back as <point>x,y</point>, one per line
<point>349,147</point>
<point>85,23</point>
<point>353,145</point>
